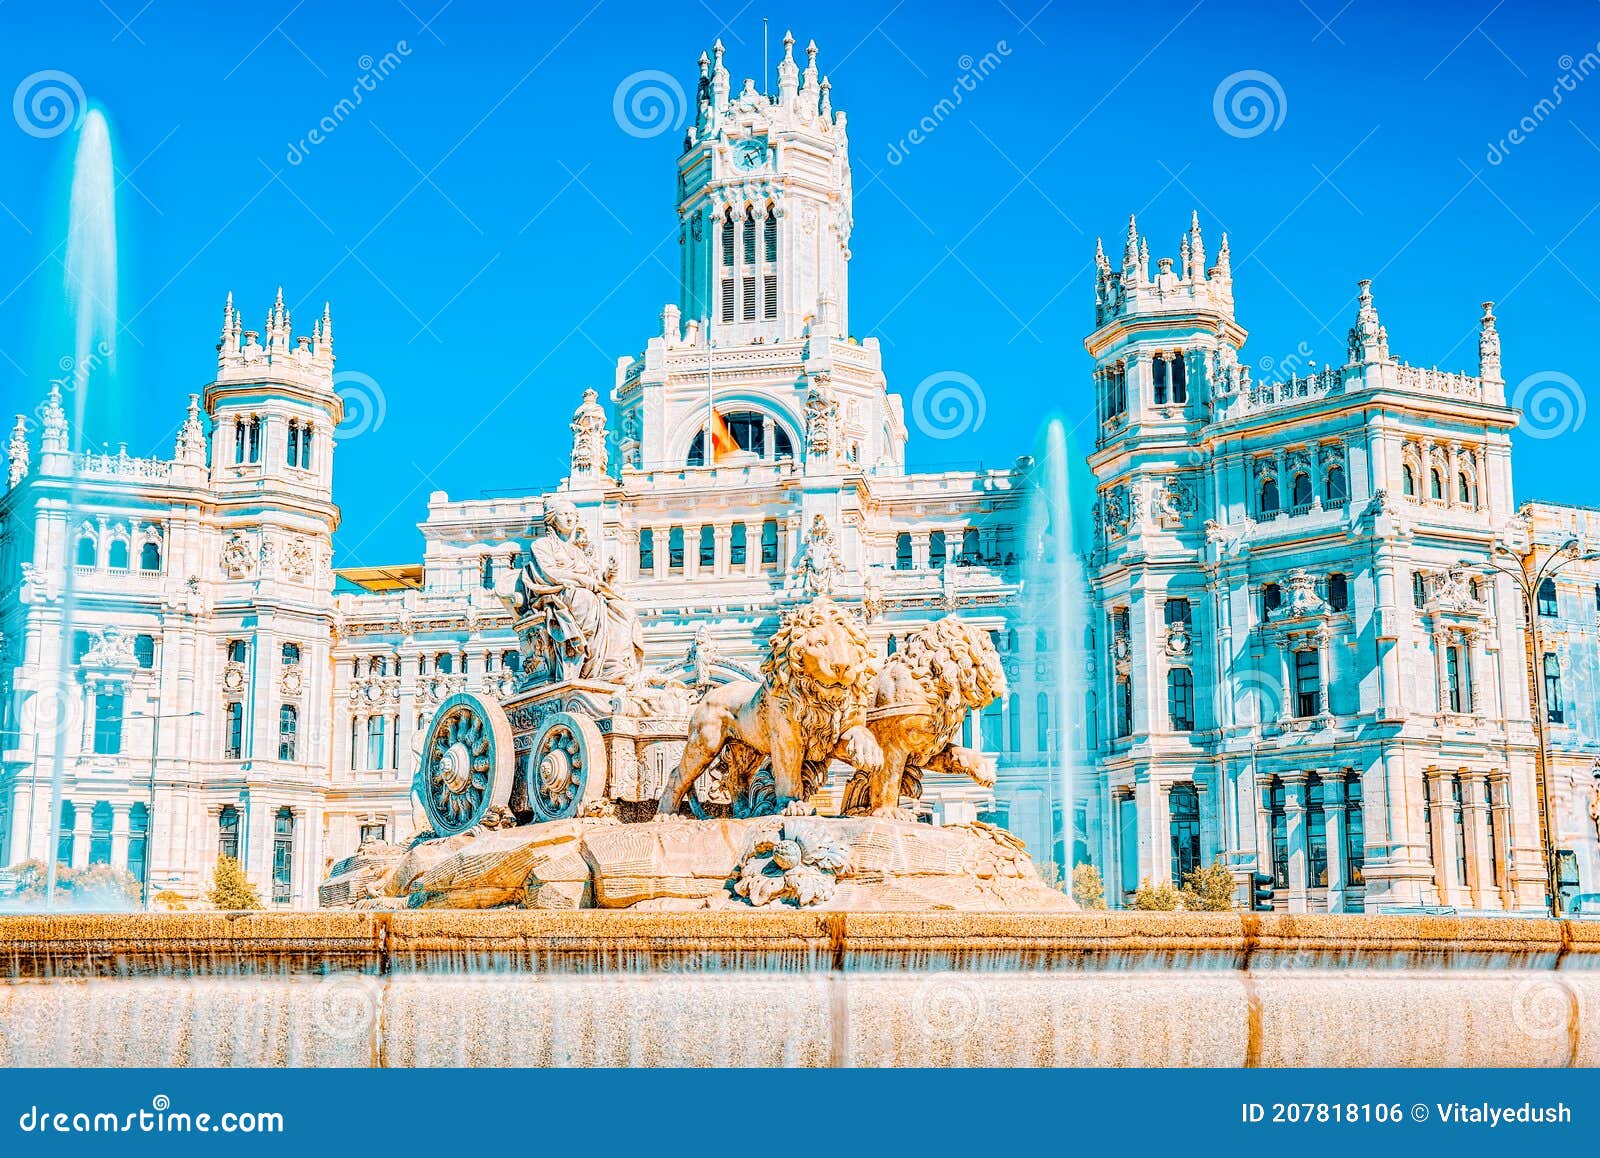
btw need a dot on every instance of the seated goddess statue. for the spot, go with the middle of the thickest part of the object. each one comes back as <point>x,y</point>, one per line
<point>588,629</point>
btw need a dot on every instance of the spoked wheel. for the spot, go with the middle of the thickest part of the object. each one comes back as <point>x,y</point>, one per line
<point>468,763</point>
<point>567,767</point>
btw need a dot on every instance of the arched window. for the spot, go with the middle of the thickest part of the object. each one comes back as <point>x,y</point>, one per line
<point>1041,720</point>
<point>1548,605</point>
<point>1180,699</point>
<point>292,448</point>
<point>444,663</point>
<point>238,441</point>
<point>486,573</point>
<point>647,551</point>
<point>902,552</point>
<point>1158,379</point>
<point>150,556</point>
<point>253,438</point>
<point>1335,489</point>
<point>1269,497</point>
<point>1338,592</point>
<point>288,731</point>
<point>708,547</point>
<point>936,549</point>
<point>769,279</point>
<point>1435,485</point>
<point>1408,481</point>
<point>510,660</point>
<point>1302,490</point>
<point>117,555</point>
<point>144,651</point>
<point>769,541</point>
<point>749,235</point>
<point>737,547</point>
<point>892,646</point>
<point>228,832</point>
<point>88,554</point>
<point>305,446</point>
<point>969,546</point>
<point>138,840</point>
<point>1464,488</point>
<point>675,550</point>
<point>1180,379</point>
<point>1184,826</point>
<point>747,280</point>
<point>233,732</point>
<point>748,431</point>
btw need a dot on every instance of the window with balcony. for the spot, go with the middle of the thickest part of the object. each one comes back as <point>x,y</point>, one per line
<point>1338,592</point>
<point>1307,683</point>
<point>1267,504</point>
<point>150,557</point>
<point>144,651</point>
<point>108,723</point>
<point>1301,490</point>
<point>1547,601</point>
<point>1335,487</point>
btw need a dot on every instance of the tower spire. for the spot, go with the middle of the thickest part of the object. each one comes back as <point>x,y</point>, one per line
<point>1489,347</point>
<point>1130,249</point>
<point>1197,249</point>
<point>788,72</point>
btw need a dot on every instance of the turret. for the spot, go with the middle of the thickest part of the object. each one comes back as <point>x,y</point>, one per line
<point>1369,341</point>
<point>788,73</point>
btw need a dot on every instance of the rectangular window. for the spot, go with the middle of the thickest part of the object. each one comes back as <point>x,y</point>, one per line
<point>282,857</point>
<point>1128,842</point>
<point>748,289</point>
<point>138,841</point>
<point>1452,664</point>
<point>727,241</point>
<point>108,724</point>
<point>1316,833</point>
<point>100,834</point>
<point>374,833</point>
<point>377,741</point>
<point>233,734</point>
<point>1280,835</point>
<point>1552,689</point>
<point>228,832</point>
<point>1124,707</point>
<point>708,548</point>
<point>1307,684</point>
<point>769,295</point>
<point>727,299</point>
<point>1178,611</point>
<point>1460,826</point>
<point>288,729</point>
<point>1355,835</point>
<point>1494,843</point>
<point>769,541</point>
<point>291,654</point>
<point>736,545</point>
<point>675,549</point>
<point>1180,699</point>
<point>1183,807</point>
<point>647,551</point>
<point>769,234</point>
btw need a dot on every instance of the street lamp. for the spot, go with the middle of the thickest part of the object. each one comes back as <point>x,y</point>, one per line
<point>1530,578</point>
<point>150,808</point>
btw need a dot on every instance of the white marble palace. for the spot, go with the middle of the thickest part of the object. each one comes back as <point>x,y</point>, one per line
<point>1303,659</point>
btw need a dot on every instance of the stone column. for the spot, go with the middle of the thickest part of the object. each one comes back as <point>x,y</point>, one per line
<point>1477,663</point>
<point>1144,822</point>
<point>1499,789</point>
<point>691,551</point>
<point>81,829</point>
<point>721,541</point>
<point>1294,811</point>
<point>1334,820</point>
<point>1440,805</point>
<point>119,834</point>
<point>1480,856</point>
<point>660,550</point>
<point>1161,834</point>
<point>1441,670</point>
<point>752,548</point>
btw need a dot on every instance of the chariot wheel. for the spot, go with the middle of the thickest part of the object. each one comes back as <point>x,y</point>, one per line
<point>566,767</point>
<point>467,763</point>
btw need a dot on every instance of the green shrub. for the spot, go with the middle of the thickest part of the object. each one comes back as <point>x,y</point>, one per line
<point>1087,887</point>
<point>1156,898</point>
<point>1209,889</point>
<point>231,889</point>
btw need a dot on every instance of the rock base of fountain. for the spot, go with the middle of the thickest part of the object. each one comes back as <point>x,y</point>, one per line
<point>812,862</point>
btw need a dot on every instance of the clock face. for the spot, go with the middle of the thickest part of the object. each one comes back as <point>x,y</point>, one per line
<point>751,155</point>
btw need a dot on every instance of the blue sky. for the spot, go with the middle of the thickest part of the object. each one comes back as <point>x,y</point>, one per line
<point>492,239</point>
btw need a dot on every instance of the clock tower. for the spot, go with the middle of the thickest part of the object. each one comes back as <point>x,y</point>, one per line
<point>764,206</point>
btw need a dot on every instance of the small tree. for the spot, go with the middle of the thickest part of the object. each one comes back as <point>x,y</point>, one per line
<point>1208,889</point>
<point>1156,898</point>
<point>230,888</point>
<point>1087,887</point>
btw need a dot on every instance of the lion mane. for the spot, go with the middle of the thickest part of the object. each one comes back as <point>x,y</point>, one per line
<point>824,713</point>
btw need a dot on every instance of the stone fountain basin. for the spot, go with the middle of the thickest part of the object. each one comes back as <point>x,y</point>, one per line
<point>584,988</point>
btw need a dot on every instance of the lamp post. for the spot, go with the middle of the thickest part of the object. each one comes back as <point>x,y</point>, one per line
<point>150,808</point>
<point>1531,575</point>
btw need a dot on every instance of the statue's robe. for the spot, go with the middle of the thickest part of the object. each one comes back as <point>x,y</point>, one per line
<point>585,619</point>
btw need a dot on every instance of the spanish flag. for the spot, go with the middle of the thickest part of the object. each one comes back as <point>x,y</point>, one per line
<point>722,442</point>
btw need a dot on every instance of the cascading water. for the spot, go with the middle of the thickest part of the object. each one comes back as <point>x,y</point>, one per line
<point>1056,605</point>
<point>91,306</point>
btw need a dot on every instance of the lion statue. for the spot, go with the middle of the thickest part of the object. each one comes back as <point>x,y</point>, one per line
<point>942,672</point>
<point>808,709</point>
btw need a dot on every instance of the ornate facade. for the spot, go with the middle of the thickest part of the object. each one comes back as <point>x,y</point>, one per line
<point>1302,658</point>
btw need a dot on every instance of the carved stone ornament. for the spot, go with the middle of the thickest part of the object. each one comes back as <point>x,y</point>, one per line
<point>238,556</point>
<point>1300,598</point>
<point>819,566</point>
<point>1179,642</point>
<point>298,558</point>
